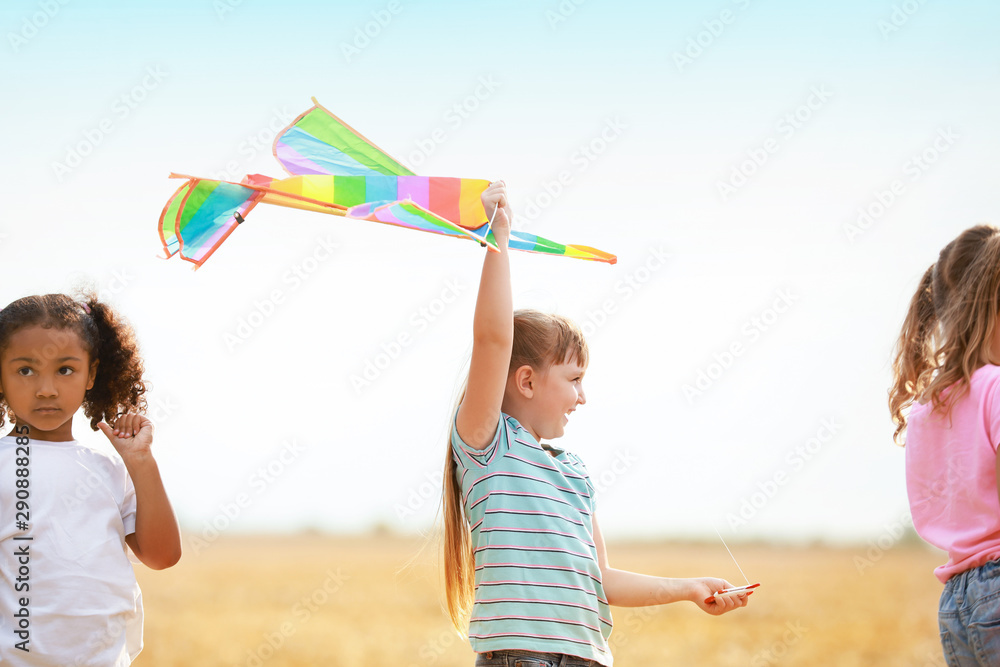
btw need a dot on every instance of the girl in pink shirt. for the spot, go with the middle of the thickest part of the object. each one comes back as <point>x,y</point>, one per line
<point>945,398</point>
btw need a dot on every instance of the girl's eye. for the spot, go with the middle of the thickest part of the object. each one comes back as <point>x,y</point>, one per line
<point>25,371</point>
<point>66,370</point>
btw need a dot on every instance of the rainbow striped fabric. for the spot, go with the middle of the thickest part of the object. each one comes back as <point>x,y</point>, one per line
<point>333,169</point>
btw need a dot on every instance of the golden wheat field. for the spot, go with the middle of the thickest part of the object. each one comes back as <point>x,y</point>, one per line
<point>284,601</point>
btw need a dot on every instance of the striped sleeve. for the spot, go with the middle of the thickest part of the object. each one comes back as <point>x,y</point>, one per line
<point>578,465</point>
<point>470,458</point>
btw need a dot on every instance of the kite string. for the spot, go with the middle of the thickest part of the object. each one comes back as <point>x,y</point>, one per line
<point>732,556</point>
<point>489,225</point>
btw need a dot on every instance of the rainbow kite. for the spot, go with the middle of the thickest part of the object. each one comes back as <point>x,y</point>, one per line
<point>335,170</point>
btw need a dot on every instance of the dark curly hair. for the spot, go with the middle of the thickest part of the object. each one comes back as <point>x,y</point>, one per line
<point>118,386</point>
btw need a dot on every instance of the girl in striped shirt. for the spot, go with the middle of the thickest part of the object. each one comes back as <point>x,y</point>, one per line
<point>525,564</point>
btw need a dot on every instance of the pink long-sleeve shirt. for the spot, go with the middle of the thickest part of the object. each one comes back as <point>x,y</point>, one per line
<point>951,476</point>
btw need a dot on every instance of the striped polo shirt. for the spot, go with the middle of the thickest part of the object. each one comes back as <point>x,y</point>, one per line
<point>538,583</point>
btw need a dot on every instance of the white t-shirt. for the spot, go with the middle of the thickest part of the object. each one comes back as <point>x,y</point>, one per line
<point>84,607</point>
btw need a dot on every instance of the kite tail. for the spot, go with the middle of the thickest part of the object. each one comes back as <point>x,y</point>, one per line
<point>531,243</point>
<point>201,214</point>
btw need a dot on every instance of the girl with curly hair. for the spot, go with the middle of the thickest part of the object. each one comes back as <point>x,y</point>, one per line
<point>945,400</point>
<point>66,583</point>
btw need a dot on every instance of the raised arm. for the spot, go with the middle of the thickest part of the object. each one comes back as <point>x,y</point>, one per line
<point>630,589</point>
<point>157,540</point>
<point>492,332</point>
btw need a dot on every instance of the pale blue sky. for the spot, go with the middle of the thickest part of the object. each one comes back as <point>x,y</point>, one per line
<point>160,87</point>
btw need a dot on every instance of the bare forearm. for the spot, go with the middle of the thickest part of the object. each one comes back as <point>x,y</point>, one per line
<point>493,322</point>
<point>630,589</point>
<point>157,540</point>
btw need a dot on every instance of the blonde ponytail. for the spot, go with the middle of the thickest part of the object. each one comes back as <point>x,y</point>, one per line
<point>540,340</point>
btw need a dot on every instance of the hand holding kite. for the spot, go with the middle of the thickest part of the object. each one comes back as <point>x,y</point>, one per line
<point>494,200</point>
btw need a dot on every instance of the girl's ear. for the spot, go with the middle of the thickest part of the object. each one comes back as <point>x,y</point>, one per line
<point>524,378</point>
<point>93,374</point>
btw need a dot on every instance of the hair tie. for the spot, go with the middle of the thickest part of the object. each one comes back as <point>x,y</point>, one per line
<point>86,308</point>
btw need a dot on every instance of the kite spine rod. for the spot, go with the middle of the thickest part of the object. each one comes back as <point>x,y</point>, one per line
<point>335,209</point>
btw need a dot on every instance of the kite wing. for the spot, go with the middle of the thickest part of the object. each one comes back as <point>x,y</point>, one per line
<point>412,215</point>
<point>201,214</point>
<point>317,142</point>
<point>532,243</point>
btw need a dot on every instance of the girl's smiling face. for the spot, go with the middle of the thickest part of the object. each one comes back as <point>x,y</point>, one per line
<point>44,374</point>
<point>558,392</point>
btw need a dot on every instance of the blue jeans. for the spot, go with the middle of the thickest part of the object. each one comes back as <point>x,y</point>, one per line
<point>969,617</point>
<point>530,659</point>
